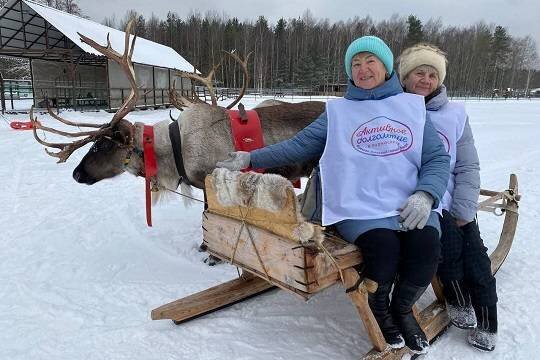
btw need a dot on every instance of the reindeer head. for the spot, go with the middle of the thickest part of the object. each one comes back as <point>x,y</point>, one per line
<point>113,141</point>
<point>118,145</point>
<point>109,155</point>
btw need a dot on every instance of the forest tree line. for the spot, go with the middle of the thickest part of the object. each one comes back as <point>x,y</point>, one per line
<point>308,52</point>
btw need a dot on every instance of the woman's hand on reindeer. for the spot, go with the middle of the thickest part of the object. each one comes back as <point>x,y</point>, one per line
<point>415,211</point>
<point>237,160</point>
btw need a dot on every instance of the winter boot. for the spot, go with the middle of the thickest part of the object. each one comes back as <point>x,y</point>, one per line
<point>379,303</point>
<point>458,305</point>
<point>404,296</point>
<point>484,337</point>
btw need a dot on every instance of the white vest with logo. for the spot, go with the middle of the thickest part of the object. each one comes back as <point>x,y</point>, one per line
<point>449,121</point>
<point>372,156</point>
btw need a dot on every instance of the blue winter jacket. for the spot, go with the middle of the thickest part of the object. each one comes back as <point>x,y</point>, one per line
<point>309,143</point>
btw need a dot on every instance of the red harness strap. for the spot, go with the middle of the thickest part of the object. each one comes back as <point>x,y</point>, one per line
<point>247,133</point>
<point>150,167</point>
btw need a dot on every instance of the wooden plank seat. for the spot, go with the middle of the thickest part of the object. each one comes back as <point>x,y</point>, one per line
<point>265,245</point>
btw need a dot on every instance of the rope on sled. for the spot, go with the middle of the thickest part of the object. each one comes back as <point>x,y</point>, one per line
<point>319,243</point>
<point>250,235</point>
<point>243,224</point>
<point>506,196</point>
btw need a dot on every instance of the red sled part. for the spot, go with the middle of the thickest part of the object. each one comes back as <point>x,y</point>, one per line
<point>21,125</point>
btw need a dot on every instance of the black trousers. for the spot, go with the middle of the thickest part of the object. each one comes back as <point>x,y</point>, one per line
<point>414,254</point>
<point>464,257</point>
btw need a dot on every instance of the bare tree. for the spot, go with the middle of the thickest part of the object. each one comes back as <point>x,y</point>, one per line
<point>110,21</point>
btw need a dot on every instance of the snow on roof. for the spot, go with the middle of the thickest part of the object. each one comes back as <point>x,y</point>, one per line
<point>146,51</point>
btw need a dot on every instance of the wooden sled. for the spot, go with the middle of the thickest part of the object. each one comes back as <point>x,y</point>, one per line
<point>248,238</point>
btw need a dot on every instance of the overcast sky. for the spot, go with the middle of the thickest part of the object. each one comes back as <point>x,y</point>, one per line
<point>520,17</point>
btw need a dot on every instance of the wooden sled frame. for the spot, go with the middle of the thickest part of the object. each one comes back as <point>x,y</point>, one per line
<point>433,319</point>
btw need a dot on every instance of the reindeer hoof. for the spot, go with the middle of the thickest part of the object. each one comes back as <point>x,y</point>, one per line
<point>202,248</point>
<point>211,260</point>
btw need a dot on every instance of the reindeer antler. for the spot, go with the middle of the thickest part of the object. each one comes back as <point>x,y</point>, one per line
<point>207,81</point>
<point>72,123</point>
<point>124,60</point>
<point>180,102</point>
<point>125,63</point>
<point>243,63</point>
<point>66,149</point>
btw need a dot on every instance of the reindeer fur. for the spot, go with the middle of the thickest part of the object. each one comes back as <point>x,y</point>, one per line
<point>205,134</point>
<point>206,137</point>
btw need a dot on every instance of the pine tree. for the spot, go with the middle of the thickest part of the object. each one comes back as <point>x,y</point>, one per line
<point>500,49</point>
<point>281,70</point>
<point>415,33</point>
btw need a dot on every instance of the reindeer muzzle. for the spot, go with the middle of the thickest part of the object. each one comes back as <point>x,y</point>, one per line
<point>82,177</point>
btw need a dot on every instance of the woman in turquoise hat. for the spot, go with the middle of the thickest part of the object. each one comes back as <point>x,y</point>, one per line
<point>383,171</point>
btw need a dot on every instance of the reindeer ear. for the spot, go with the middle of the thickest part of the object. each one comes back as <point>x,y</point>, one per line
<point>123,133</point>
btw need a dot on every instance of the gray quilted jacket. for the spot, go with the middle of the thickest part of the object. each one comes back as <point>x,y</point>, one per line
<point>467,168</point>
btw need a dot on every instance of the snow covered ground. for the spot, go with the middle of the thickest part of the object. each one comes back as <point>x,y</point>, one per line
<point>80,271</point>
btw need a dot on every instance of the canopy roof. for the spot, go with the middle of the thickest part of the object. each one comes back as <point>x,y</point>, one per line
<point>32,30</point>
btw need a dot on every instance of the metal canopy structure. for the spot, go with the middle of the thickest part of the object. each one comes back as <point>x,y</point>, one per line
<point>32,30</point>
<point>72,73</point>
<point>24,33</point>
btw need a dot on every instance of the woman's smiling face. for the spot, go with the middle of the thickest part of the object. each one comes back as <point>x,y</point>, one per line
<point>422,81</point>
<point>368,71</point>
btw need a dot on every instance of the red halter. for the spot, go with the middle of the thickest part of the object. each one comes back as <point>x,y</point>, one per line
<point>150,168</point>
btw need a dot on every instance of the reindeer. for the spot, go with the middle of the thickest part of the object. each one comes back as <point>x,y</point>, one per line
<point>205,132</point>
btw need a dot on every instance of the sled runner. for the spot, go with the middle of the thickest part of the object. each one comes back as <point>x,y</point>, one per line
<point>279,249</point>
<point>21,125</point>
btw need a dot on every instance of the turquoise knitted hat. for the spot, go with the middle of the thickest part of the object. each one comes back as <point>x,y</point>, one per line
<point>373,45</point>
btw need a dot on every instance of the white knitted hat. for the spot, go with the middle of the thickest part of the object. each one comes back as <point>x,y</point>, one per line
<point>422,54</point>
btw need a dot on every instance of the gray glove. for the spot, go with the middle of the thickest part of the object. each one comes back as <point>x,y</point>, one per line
<point>237,160</point>
<point>415,211</point>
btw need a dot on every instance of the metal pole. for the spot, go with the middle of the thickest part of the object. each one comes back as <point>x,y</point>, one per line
<point>154,83</point>
<point>2,95</point>
<point>169,81</point>
<point>32,85</point>
<point>11,96</point>
<point>182,86</point>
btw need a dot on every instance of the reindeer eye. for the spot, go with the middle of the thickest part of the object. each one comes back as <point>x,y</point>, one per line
<point>101,146</point>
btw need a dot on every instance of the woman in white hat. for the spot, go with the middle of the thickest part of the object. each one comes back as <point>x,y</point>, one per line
<point>465,271</point>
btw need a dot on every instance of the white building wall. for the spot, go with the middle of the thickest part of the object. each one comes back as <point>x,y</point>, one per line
<point>54,80</point>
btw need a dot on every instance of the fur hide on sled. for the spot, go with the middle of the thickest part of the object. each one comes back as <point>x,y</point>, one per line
<point>264,200</point>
